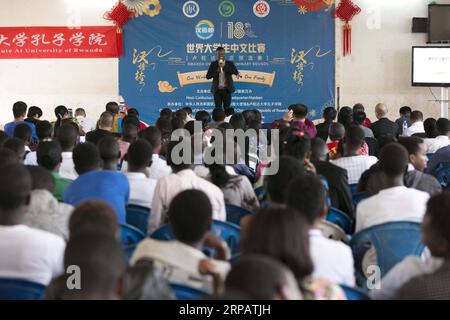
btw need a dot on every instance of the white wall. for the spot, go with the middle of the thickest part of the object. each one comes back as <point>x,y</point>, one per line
<point>379,69</point>
<point>90,83</point>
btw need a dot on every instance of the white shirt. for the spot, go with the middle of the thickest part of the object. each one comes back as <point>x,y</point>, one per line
<point>437,143</point>
<point>355,166</point>
<point>178,262</point>
<point>141,189</point>
<point>389,205</point>
<point>333,260</point>
<point>416,127</point>
<point>158,169</point>
<point>86,124</point>
<point>401,273</point>
<point>67,168</point>
<point>30,254</point>
<point>31,159</point>
<point>168,187</point>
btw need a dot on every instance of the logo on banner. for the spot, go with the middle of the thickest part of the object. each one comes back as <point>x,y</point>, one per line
<point>226,8</point>
<point>261,9</point>
<point>191,9</point>
<point>204,29</point>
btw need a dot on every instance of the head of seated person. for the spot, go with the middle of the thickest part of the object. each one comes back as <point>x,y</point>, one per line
<point>67,136</point>
<point>15,194</point>
<point>42,179</point>
<point>218,115</point>
<point>276,185</point>
<point>17,146</point>
<point>405,112</point>
<point>49,155</point>
<point>19,110</point>
<point>393,165</point>
<point>417,151</point>
<point>381,111</point>
<point>94,215</point>
<point>336,131</point>
<point>430,127</point>
<point>175,155</point>
<point>86,158</point>
<point>416,116</point>
<point>312,204</point>
<point>153,135</point>
<point>329,114</point>
<point>283,234</point>
<point>177,123</point>
<point>319,150</point>
<point>299,112</point>
<point>8,157</point>
<point>139,156</point>
<point>44,130</point>
<point>345,116</point>
<point>112,107</point>
<point>359,117</point>
<point>191,228</point>
<point>297,145</point>
<point>129,132</point>
<point>166,113</point>
<point>358,108</point>
<point>109,153</point>
<point>99,257</point>
<point>262,278</point>
<point>106,121</point>
<point>23,132</point>
<point>354,139</point>
<point>443,126</point>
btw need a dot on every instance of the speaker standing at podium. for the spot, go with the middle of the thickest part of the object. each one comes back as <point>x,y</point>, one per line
<point>221,72</point>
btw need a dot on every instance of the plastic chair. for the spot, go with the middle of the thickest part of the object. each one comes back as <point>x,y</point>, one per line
<point>130,236</point>
<point>183,292</point>
<point>354,293</point>
<point>235,213</point>
<point>14,289</point>
<point>341,219</point>
<point>229,232</point>
<point>392,241</point>
<point>332,231</point>
<point>442,175</point>
<point>138,216</point>
<point>353,188</point>
<point>358,197</point>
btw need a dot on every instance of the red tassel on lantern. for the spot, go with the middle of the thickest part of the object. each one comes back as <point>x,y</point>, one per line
<point>346,10</point>
<point>347,39</point>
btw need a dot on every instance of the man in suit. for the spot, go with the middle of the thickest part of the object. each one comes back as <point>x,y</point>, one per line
<point>383,126</point>
<point>221,72</point>
<point>340,195</point>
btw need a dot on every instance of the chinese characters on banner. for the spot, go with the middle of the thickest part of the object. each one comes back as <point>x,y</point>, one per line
<point>59,42</point>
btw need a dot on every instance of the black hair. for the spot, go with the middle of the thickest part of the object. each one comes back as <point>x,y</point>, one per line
<point>93,215</point>
<point>312,202</point>
<point>17,146</point>
<point>405,111</point>
<point>44,130</point>
<point>67,137</point>
<point>176,167</point>
<point>430,127</point>
<point>15,188</point>
<point>190,226</point>
<point>359,117</point>
<point>220,49</point>
<point>109,148</point>
<point>165,113</point>
<point>177,123</point>
<point>358,108</point>
<point>336,131</point>
<point>297,145</point>
<point>258,276</point>
<point>3,138</point>
<point>23,132</point>
<point>300,110</point>
<point>19,109</point>
<point>106,119</point>
<point>249,115</point>
<point>319,149</point>
<point>204,117</point>
<point>80,110</point>
<point>41,178</point>
<point>411,144</point>
<point>329,114</point>
<point>237,120</point>
<point>229,111</point>
<point>152,134</point>
<point>140,154</point>
<point>190,127</point>
<point>60,113</point>
<point>258,115</point>
<point>219,175</point>
<point>7,157</point>
<point>129,132</point>
<point>443,126</point>
<point>282,234</point>
<point>112,107</point>
<point>102,263</point>
<point>188,110</point>
<point>354,136</point>
<point>345,116</point>
<point>218,115</point>
<point>86,157</point>
<point>276,185</point>
<point>394,159</point>
<point>49,154</point>
<point>180,114</point>
<point>416,116</point>
<point>133,112</point>
<point>131,119</point>
<point>438,208</point>
<point>34,111</point>
<point>165,126</point>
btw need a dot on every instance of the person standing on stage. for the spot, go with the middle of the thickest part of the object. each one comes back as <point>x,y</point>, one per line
<point>221,72</point>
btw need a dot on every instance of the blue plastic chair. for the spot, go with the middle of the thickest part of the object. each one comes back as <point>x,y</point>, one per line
<point>341,219</point>
<point>392,241</point>
<point>358,197</point>
<point>183,292</point>
<point>229,232</point>
<point>353,188</point>
<point>138,217</point>
<point>130,236</point>
<point>235,213</point>
<point>442,175</point>
<point>354,293</point>
<point>14,289</point>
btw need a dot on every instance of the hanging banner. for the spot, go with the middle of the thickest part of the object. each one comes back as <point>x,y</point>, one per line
<point>284,54</point>
<point>59,42</point>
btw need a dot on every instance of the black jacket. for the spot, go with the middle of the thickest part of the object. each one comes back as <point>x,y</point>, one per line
<point>213,73</point>
<point>384,127</point>
<point>340,195</point>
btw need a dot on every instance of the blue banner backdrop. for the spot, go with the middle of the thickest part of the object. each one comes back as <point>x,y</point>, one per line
<point>285,55</point>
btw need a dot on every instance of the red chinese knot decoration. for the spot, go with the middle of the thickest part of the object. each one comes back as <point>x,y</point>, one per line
<point>310,5</point>
<point>119,14</point>
<point>346,10</point>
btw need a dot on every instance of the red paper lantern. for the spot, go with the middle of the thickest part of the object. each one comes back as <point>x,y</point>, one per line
<point>310,5</point>
<point>119,14</point>
<point>346,10</point>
